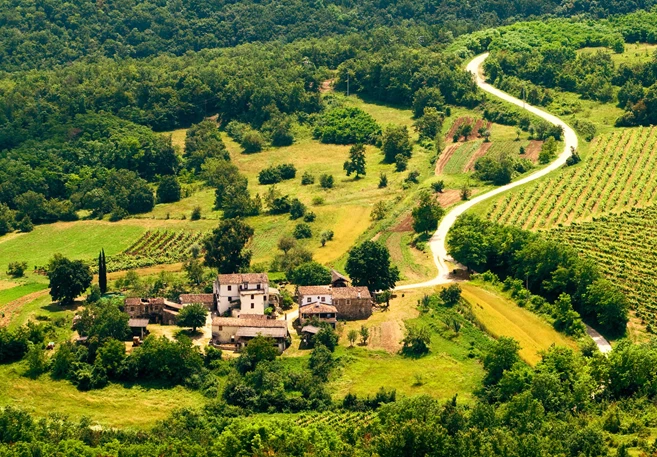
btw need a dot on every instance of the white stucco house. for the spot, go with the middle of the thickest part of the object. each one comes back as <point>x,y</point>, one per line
<point>244,294</point>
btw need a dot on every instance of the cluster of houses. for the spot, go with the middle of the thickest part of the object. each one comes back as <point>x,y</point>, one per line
<point>242,306</point>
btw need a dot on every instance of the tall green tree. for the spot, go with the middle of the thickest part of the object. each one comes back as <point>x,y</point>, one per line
<point>356,162</point>
<point>427,214</point>
<point>225,247</point>
<point>193,315</point>
<point>396,141</point>
<point>369,265</point>
<point>203,142</point>
<point>102,272</point>
<point>68,278</point>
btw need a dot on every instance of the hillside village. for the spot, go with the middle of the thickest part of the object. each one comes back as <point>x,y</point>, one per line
<point>244,305</point>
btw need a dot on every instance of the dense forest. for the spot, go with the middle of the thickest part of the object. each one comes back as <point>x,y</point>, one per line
<point>49,33</point>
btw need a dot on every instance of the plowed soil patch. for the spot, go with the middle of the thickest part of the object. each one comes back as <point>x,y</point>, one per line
<point>449,197</point>
<point>483,149</point>
<point>533,150</point>
<point>445,156</point>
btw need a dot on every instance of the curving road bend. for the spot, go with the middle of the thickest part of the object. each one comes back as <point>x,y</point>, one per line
<point>437,242</point>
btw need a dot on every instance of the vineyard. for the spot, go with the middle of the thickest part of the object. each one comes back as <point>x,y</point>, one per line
<point>625,248</point>
<point>616,176</point>
<point>337,419</point>
<point>155,247</point>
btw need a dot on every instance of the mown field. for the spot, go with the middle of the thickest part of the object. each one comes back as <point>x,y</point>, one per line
<point>615,176</point>
<point>625,248</point>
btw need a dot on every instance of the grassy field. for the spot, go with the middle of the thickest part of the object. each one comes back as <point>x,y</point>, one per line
<point>16,292</point>
<point>634,53</point>
<point>114,406</point>
<point>461,157</point>
<point>447,370</point>
<point>615,176</point>
<point>502,317</point>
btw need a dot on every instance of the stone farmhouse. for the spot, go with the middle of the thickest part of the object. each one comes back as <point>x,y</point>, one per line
<point>349,302</point>
<point>239,331</point>
<point>319,311</point>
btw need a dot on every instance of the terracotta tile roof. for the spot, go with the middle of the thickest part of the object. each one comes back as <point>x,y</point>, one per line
<point>132,301</point>
<point>186,299</point>
<point>249,332</point>
<point>137,323</point>
<point>318,308</point>
<point>240,278</point>
<point>314,290</point>
<point>246,322</point>
<point>351,292</point>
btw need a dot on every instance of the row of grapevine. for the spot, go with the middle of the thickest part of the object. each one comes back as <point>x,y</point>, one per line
<point>155,247</point>
<point>625,248</point>
<point>336,418</point>
<point>615,177</point>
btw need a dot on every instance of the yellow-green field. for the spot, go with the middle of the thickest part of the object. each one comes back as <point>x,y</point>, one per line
<point>115,405</point>
<point>501,317</point>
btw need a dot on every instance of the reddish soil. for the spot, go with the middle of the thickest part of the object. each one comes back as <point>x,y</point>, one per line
<point>483,149</point>
<point>406,225</point>
<point>476,125</point>
<point>445,156</point>
<point>533,150</point>
<point>449,197</point>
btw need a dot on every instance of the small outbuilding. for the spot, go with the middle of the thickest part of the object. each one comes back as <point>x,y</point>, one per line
<point>138,327</point>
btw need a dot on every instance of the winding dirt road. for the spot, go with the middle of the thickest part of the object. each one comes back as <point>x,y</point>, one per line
<point>437,242</point>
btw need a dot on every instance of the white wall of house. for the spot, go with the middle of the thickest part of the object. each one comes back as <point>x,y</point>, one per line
<point>324,298</point>
<point>254,303</point>
<point>224,334</point>
<point>227,293</point>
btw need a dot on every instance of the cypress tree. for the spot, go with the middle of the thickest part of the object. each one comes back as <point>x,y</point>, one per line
<point>102,272</point>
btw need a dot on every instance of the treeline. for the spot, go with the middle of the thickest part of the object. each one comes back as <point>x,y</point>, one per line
<point>51,33</point>
<point>569,404</point>
<point>546,268</point>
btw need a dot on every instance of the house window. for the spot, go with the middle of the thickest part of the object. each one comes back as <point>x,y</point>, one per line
<point>348,302</point>
<point>252,296</point>
<point>221,327</point>
<point>258,287</point>
<point>264,297</point>
<point>323,298</point>
<point>230,287</point>
<point>309,299</point>
<point>252,305</point>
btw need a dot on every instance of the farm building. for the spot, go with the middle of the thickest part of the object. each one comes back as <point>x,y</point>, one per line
<point>338,280</point>
<point>319,312</point>
<point>156,310</point>
<point>205,299</point>
<point>247,293</point>
<point>239,331</point>
<point>138,327</point>
<point>350,302</point>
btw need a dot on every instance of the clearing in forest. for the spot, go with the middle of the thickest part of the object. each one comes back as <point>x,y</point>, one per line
<point>617,175</point>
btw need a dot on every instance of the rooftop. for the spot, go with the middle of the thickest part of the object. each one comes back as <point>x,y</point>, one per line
<point>336,276</point>
<point>248,322</point>
<point>310,329</point>
<point>241,278</point>
<point>317,308</point>
<point>137,323</point>
<point>351,292</point>
<point>314,290</point>
<point>187,299</point>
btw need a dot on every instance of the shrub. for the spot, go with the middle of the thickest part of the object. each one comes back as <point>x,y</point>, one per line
<point>383,180</point>
<point>16,269</point>
<point>412,177</point>
<point>196,213</point>
<point>236,130</point>
<point>117,214</point>
<point>270,175</point>
<point>307,179</point>
<point>309,216</point>
<point>25,224</point>
<point>318,200</point>
<point>287,171</point>
<point>252,141</point>
<point>302,231</point>
<point>346,126</point>
<point>326,181</point>
<point>417,341</point>
<point>326,236</point>
<point>168,190</point>
<point>297,209</point>
<point>401,162</point>
<point>438,186</point>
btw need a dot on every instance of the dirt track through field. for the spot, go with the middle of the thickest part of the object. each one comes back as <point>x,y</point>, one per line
<point>14,307</point>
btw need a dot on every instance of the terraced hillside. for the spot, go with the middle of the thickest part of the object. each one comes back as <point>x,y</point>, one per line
<point>617,175</point>
<point>625,248</point>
